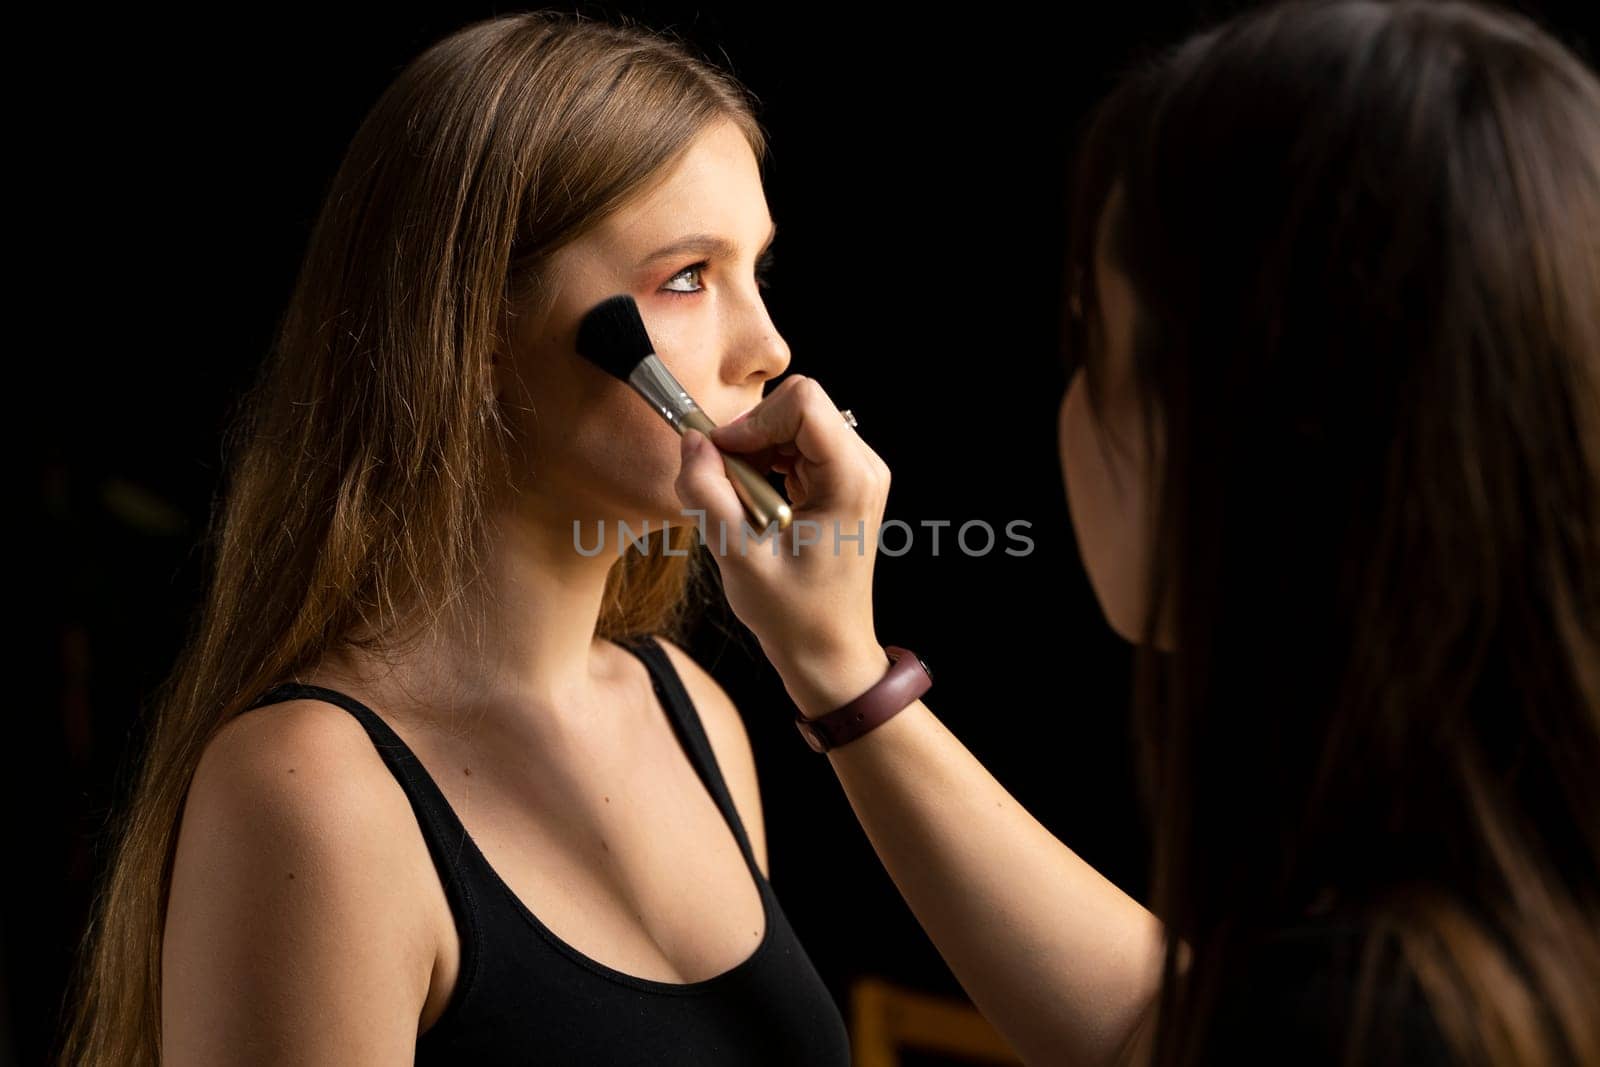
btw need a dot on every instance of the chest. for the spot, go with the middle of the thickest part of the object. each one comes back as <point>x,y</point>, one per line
<point>619,850</point>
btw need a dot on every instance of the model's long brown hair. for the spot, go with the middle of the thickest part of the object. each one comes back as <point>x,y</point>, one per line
<point>1364,240</point>
<point>367,453</point>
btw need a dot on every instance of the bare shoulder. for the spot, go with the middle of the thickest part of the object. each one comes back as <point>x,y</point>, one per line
<point>301,764</point>
<point>730,742</point>
<point>296,923</point>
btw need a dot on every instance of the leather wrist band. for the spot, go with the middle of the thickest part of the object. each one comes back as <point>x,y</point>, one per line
<point>908,679</point>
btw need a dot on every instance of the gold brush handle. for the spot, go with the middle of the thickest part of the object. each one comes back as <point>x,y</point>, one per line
<point>764,503</point>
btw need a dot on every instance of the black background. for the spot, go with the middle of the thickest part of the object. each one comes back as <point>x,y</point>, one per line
<point>916,173</point>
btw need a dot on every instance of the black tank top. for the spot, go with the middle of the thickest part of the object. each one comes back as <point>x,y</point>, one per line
<point>524,996</point>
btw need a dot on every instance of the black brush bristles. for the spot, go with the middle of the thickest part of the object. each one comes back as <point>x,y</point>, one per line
<point>612,336</point>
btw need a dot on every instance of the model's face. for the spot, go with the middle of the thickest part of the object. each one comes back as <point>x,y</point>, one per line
<point>593,447</point>
<point>1106,481</point>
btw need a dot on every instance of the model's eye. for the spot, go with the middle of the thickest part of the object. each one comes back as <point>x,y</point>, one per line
<point>692,275</point>
<point>694,271</point>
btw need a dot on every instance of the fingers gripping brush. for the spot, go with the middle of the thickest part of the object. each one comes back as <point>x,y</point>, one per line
<point>612,337</point>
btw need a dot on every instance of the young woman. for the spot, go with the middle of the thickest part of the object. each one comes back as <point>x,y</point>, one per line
<point>425,785</point>
<point>1333,460</point>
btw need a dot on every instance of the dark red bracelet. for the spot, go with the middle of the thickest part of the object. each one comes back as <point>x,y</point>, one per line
<point>908,678</point>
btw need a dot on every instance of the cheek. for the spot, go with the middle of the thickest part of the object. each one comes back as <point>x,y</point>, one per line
<point>1104,505</point>
<point>1075,439</point>
<point>1070,440</point>
<point>1062,414</point>
<point>589,438</point>
<point>689,348</point>
<point>620,448</point>
<point>595,440</point>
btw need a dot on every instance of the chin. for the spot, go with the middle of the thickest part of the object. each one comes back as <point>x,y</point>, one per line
<point>1127,633</point>
<point>1134,636</point>
<point>1116,607</point>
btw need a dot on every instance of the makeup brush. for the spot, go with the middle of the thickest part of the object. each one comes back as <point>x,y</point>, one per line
<point>612,337</point>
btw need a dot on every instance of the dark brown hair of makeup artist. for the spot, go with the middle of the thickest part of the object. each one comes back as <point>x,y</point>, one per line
<point>1364,242</point>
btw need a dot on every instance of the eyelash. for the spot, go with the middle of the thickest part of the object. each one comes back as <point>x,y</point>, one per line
<point>763,269</point>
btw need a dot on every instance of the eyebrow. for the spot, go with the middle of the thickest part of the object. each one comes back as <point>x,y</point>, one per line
<point>708,244</point>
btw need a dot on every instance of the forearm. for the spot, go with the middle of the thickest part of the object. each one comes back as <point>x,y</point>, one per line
<point>1058,959</point>
<point>1061,961</point>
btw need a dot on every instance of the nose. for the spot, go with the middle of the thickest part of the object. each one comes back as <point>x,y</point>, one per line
<point>756,351</point>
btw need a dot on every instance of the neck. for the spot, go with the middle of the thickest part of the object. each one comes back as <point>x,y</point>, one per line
<point>518,653</point>
<point>538,608</point>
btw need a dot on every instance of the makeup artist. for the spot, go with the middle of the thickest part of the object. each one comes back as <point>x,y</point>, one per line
<point>1331,446</point>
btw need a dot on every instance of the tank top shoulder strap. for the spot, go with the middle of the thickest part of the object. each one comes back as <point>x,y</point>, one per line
<point>691,734</point>
<point>444,833</point>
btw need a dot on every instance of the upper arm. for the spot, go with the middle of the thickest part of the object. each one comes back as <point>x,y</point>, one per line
<point>292,933</point>
<point>729,743</point>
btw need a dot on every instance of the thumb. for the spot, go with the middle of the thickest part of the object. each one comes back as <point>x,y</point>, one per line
<point>703,485</point>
